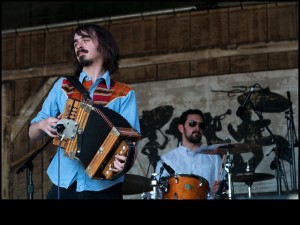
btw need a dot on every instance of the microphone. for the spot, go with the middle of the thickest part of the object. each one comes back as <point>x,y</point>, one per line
<point>240,111</point>
<point>66,128</point>
<point>60,128</point>
<point>168,168</point>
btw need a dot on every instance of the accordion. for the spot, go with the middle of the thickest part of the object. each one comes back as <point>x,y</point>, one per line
<point>94,135</point>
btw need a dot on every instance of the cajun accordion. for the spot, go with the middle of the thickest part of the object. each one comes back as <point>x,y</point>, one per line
<point>94,135</point>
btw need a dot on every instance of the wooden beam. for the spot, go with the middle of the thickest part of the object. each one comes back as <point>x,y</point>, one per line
<point>41,71</point>
<point>30,107</point>
<point>230,50</point>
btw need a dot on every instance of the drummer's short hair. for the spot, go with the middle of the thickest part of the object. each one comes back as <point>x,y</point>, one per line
<point>185,114</point>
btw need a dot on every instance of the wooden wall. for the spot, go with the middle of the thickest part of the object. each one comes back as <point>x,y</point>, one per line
<point>162,47</point>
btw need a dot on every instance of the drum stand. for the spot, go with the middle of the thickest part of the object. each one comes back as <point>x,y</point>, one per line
<point>249,184</point>
<point>154,193</point>
<point>228,169</point>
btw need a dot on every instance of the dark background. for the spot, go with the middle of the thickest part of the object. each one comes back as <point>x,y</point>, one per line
<point>17,14</point>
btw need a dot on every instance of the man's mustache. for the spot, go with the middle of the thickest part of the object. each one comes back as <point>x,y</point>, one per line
<point>82,50</point>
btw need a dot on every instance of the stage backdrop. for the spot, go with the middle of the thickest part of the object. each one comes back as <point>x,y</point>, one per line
<point>161,103</point>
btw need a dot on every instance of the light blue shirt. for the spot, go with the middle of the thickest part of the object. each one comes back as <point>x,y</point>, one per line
<point>63,171</point>
<point>187,162</point>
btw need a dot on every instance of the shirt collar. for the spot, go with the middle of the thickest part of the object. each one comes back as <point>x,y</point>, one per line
<point>84,76</point>
<point>199,149</point>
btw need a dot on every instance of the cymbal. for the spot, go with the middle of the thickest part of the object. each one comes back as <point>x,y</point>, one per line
<point>232,148</point>
<point>135,184</point>
<point>251,177</point>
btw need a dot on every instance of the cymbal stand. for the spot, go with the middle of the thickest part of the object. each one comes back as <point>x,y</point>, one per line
<point>279,173</point>
<point>228,169</point>
<point>293,142</point>
<point>248,183</point>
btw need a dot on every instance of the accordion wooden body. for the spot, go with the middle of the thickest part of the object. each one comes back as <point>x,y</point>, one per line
<point>94,135</point>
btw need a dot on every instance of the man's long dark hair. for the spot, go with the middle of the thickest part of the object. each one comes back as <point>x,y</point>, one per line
<point>106,46</point>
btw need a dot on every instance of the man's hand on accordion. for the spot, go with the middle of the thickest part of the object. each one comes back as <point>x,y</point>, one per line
<point>119,163</point>
<point>46,126</point>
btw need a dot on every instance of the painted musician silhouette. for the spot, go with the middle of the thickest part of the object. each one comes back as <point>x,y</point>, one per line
<point>249,131</point>
<point>151,148</point>
<point>213,125</point>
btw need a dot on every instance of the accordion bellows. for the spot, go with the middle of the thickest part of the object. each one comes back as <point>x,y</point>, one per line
<point>94,135</point>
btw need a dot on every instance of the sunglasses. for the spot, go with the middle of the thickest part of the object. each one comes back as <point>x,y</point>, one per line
<point>193,123</point>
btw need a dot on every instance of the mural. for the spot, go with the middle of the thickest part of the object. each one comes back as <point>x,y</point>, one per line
<point>262,122</point>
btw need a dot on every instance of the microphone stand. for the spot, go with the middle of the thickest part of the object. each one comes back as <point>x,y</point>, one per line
<point>279,172</point>
<point>28,164</point>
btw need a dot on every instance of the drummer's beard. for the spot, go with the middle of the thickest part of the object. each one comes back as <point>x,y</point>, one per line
<point>194,138</point>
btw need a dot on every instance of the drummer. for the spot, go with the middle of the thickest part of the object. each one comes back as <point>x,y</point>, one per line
<point>187,157</point>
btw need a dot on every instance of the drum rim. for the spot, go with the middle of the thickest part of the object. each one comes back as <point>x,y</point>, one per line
<point>187,175</point>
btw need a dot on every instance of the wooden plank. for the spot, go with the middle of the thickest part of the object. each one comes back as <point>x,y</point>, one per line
<point>232,50</point>
<point>38,71</point>
<point>23,44</point>
<point>8,51</point>
<point>6,110</point>
<point>29,107</point>
<point>209,67</point>
<point>173,32</point>
<point>135,36</point>
<point>37,48</point>
<point>282,21</point>
<point>172,70</point>
<point>20,96</point>
<point>248,24</point>
<point>58,45</point>
<point>19,148</point>
<point>136,74</point>
<point>209,28</point>
<point>283,60</point>
<point>242,64</point>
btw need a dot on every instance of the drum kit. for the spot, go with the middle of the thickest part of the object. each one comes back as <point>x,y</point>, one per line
<point>190,186</point>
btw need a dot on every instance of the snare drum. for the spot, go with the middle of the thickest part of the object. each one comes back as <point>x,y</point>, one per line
<point>186,186</point>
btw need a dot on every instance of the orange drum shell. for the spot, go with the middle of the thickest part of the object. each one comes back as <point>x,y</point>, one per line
<point>186,186</point>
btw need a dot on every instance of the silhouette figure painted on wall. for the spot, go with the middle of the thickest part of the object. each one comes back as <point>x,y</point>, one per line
<point>150,122</point>
<point>213,125</point>
<point>249,132</point>
<point>155,119</point>
<point>151,148</point>
<point>173,130</point>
